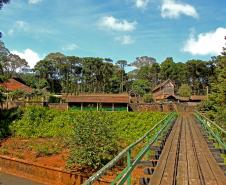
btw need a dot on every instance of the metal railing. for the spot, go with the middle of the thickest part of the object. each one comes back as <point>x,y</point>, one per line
<point>150,137</point>
<point>212,129</point>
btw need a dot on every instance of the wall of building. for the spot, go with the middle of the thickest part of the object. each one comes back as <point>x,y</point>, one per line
<point>166,107</point>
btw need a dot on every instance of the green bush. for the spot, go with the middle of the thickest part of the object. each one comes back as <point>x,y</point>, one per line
<point>54,99</point>
<point>94,137</point>
<point>6,118</point>
<point>147,98</point>
<point>94,140</point>
<point>44,122</point>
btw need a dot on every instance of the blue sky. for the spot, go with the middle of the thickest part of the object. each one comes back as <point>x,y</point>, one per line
<point>117,29</point>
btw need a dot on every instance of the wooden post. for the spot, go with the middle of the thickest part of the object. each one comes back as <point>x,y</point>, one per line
<point>97,107</point>
<point>127,107</point>
<point>82,106</point>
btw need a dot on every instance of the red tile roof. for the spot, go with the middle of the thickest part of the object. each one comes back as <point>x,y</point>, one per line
<point>13,84</point>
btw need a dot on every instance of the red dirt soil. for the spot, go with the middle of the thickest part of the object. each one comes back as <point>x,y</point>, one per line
<point>31,150</point>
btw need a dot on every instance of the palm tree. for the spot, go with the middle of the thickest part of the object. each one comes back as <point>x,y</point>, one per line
<point>2,2</point>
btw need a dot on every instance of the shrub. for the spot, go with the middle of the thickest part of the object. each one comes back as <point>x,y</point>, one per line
<point>185,90</point>
<point>6,118</point>
<point>148,98</point>
<point>93,141</point>
<point>54,99</point>
<point>34,123</point>
<point>43,150</point>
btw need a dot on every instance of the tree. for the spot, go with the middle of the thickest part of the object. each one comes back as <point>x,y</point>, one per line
<point>2,96</point>
<point>215,105</point>
<point>198,78</point>
<point>141,87</point>
<point>122,64</point>
<point>167,69</point>
<point>2,2</point>
<point>185,90</point>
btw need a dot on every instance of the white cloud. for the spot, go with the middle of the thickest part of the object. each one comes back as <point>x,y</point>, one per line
<point>70,47</point>
<point>34,1</point>
<point>209,43</point>
<point>18,25</point>
<point>29,55</point>
<point>21,24</point>
<point>111,23</point>
<point>141,3</point>
<point>125,39</point>
<point>173,9</point>
<point>10,32</point>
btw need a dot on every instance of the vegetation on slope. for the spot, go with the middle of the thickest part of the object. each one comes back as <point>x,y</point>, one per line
<point>94,137</point>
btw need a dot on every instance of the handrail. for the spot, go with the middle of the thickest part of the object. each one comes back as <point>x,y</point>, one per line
<point>216,125</point>
<point>125,174</point>
<point>209,126</point>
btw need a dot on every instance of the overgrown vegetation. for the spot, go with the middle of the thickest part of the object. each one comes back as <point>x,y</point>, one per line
<point>58,73</point>
<point>6,118</point>
<point>94,141</point>
<point>94,137</point>
<point>215,106</point>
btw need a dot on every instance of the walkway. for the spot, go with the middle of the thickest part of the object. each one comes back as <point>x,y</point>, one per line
<point>186,158</point>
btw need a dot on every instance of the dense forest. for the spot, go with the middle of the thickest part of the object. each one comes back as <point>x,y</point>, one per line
<point>58,73</point>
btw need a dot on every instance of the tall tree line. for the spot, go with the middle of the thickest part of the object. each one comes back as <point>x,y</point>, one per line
<point>58,73</point>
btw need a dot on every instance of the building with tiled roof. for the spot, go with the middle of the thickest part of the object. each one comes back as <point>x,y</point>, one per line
<point>13,84</point>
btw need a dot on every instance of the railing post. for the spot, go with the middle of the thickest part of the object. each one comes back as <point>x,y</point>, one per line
<point>129,163</point>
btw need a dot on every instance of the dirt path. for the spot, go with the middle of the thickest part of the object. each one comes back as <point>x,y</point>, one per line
<point>186,158</point>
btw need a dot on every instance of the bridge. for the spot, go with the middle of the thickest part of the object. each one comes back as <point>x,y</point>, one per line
<point>184,149</point>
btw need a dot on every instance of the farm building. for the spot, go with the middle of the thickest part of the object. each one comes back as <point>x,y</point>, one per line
<point>108,102</point>
<point>164,91</point>
<point>15,84</point>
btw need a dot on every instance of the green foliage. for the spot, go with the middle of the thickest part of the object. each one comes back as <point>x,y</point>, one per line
<point>45,150</point>
<point>148,98</point>
<point>43,122</point>
<point>141,87</point>
<point>94,140</point>
<point>15,95</point>
<point>185,90</point>
<point>6,118</point>
<point>2,96</point>
<point>54,99</point>
<point>215,107</point>
<point>95,136</point>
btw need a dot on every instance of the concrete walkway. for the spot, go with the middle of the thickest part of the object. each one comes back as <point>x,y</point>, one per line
<point>6,179</point>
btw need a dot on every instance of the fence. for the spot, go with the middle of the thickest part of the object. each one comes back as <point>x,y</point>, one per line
<point>149,138</point>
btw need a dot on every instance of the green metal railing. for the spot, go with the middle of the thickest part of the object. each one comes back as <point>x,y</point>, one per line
<point>212,129</point>
<point>150,137</point>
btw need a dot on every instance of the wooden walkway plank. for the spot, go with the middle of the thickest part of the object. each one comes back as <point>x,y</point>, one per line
<point>182,168</point>
<point>157,176</point>
<point>214,167</point>
<point>193,174</point>
<point>205,171</point>
<point>186,158</point>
